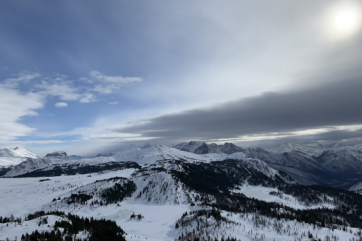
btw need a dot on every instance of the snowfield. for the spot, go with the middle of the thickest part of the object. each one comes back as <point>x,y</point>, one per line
<point>21,196</point>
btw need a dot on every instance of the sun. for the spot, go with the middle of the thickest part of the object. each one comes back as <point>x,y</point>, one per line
<point>345,19</point>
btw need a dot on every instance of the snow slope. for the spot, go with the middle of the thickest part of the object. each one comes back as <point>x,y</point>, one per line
<point>289,147</point>
<point>28,165</point>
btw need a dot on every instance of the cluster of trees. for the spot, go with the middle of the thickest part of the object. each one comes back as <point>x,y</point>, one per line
<point>221,176</point>
<point>78,198</point>
<point>119,191</point>
<point>138,216</point>
<point>10,219</point>
<point>209,226</point>
<point>122,188</point>
<point>44,180</point>
<point>218,178</point>
<point>76,168</point>
<point>96,230</point>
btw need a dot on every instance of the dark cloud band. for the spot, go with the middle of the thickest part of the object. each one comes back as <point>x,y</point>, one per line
<point>330,104</point>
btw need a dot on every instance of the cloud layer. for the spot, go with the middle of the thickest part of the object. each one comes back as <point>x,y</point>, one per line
<point>317,110</point>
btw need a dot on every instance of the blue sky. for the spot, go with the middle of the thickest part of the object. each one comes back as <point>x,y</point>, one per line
<point>93,76</point>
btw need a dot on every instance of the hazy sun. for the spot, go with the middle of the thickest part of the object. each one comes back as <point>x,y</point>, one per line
<point>345,19</point>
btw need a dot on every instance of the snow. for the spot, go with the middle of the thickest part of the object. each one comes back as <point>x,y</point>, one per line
<point>289,147</point>
<point>357,187</point>
<point>189,146</point>
<point>262,193</point>
<point>159,198</point>
<point>167,203</point>
<point>17,152</point>
<point>10,161</point>
<point>16,230</point>
<point>28,165</point>
<point>12,157</point>
<point>21,196</point>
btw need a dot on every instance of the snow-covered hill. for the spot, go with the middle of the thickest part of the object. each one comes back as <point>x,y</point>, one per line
<point>28,165</point>
<point>170,197</point>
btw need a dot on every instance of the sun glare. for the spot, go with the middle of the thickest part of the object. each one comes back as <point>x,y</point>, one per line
<point>345,20</point>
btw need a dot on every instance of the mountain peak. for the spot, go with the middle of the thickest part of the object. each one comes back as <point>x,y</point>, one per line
<point>58,155</point>
<point>17,152</point>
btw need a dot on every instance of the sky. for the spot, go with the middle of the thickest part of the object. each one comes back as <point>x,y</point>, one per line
<point>90,77</point>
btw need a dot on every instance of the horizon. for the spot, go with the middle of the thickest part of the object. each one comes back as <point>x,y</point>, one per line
<point>325,145</point>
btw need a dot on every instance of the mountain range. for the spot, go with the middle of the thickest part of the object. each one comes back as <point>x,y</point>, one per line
<point>189,191</point>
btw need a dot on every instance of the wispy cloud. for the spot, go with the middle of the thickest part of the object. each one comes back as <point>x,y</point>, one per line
<point>65,91</point>
<point>119,80</point>
<point>88,98</point>
<point>105,84</point>
<point>22,77</point>
<point>61,104</point>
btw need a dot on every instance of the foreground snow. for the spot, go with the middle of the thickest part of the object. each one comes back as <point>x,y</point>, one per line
<point>161,211</point>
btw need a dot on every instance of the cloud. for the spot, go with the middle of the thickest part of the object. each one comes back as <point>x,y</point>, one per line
<point>120,80</point>
<point>19,101</point>
<point>107,84</point>
<point>113,103</point>
<point>13,106</point>
<point>88,98</point>
<point>61,104</point>
<point>311,111</point>
<point>22,77</point>
<point>104,89</point>
<point>63,90</point>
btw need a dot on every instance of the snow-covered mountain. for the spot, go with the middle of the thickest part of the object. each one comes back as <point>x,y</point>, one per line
<point>75,157</point>
<point>17,152</point>
<point>29,165</point>
<point>162,193</point>
<point>338,166</point>
<point>58,163</point>
<point>203,148</point>
<point>289,147</point>
<point>12,157</point>
<point>58,155</point>
<point>327,146</point>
